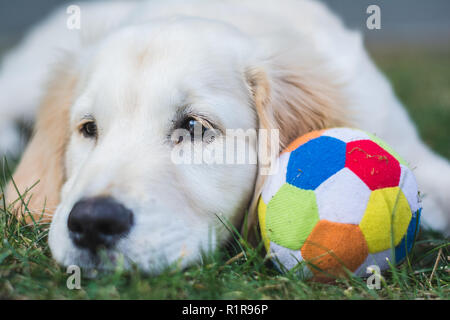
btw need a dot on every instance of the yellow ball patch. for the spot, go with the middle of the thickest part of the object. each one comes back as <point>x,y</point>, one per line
<point>386,219</point>
<point>262,208</point>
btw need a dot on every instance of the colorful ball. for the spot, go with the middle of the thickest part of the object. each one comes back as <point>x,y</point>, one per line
<point>342,200</point>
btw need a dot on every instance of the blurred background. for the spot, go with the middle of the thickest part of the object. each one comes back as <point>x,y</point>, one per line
<point>412,48</point>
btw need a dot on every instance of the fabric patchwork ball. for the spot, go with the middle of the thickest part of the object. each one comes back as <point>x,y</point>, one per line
<point>341,201</point>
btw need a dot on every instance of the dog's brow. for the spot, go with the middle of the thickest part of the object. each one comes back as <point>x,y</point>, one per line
<point>88,117</point>
<point>187,111</point>
<point>181,113</point>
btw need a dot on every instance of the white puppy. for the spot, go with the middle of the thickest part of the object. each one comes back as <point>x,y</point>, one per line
<point>137,71</point>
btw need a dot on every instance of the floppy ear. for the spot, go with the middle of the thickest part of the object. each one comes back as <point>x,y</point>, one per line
<point>294,94</point>
<point>40,173</point>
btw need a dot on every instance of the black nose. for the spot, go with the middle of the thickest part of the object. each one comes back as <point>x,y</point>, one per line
<point>98,222</point>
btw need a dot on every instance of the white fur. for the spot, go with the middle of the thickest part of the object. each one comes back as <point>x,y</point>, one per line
<point>197,53</point>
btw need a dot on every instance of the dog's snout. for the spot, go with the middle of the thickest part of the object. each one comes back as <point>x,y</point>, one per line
<point>98,222</point>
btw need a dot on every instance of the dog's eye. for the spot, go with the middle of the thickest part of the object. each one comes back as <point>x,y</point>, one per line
<point>89,129</point>
<point>195,127</point>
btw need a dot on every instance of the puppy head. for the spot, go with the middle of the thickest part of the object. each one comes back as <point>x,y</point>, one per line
<point>143,95</point>
<point>123,188</point>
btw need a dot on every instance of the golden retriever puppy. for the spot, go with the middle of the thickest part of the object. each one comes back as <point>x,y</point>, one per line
<point>142,84</point>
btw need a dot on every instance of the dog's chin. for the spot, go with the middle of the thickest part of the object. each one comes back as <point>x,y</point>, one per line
<point>89,261</point>
<point>105,261</point>
<point>100,261</point>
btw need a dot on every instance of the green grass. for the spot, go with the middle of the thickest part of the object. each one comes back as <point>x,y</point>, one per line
<point>422,81</point>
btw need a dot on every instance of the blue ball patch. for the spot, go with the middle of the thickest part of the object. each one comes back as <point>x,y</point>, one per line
<point>315,161</point>
<point>408,240</point>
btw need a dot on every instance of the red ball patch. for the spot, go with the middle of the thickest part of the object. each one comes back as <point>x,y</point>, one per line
<point>372,164</point>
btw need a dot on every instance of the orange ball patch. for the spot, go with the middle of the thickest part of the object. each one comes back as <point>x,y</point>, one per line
<point>302,140</point>
<point>331,246</point>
